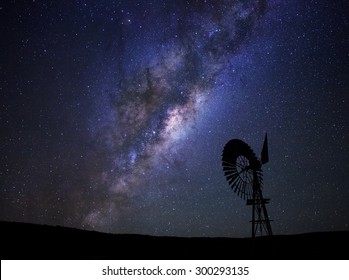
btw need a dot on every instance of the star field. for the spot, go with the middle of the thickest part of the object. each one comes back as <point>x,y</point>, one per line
<point>114,114</point>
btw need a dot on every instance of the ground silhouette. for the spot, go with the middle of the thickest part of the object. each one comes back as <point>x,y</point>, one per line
<point>29,241</point>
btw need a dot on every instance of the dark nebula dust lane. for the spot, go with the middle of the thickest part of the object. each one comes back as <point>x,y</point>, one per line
<point>114,114</point>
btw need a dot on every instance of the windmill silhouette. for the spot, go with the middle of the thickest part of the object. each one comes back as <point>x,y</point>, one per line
<point>243,171</point>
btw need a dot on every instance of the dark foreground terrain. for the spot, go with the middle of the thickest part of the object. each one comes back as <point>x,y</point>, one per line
<point>28,241</point>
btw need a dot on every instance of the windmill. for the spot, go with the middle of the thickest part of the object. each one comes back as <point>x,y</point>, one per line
<point>243,171</point>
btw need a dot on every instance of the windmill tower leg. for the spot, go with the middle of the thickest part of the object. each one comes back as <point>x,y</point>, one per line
<point>253,217</point>
<point>266,217</point>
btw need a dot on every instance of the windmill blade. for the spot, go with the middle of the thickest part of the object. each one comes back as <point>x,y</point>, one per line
<point>229,169</point>
<point>232,179</point>
<point>227,163</point>
<point>265,154</point>
<point>239,189</point>
<point>245,190</point>
<point>234,188</point>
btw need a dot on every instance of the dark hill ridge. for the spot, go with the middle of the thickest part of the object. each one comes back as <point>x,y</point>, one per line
<point>29,241</point>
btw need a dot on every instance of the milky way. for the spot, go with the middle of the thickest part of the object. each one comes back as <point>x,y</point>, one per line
<point>155,106</point>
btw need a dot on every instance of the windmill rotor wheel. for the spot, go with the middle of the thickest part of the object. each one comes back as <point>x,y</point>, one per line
<point>240,165</point>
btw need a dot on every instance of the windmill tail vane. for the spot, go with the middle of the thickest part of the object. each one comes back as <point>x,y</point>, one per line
<point>265,153</point>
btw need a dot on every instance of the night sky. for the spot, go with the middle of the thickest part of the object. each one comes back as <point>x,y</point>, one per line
<point>114,114</point>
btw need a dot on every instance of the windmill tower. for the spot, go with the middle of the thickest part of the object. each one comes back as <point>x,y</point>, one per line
<point>243,171</point>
